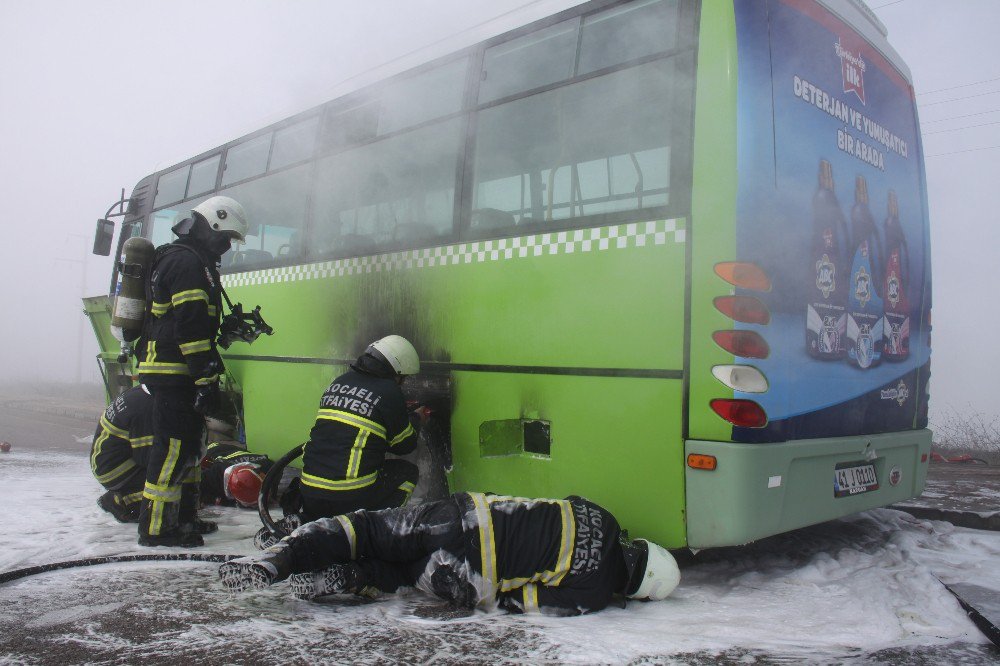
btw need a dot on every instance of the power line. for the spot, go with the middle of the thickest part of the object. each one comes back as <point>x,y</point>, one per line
<point>967,115</point>
<point>955,129</point>
<point>957,99</point>
<point>970,150</point>
<point>894,2</point>
<point>427,47</point>
<point>964,85</point>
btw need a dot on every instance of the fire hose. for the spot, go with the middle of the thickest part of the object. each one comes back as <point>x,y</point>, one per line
<point>8,576</point>
<point>270,483</point>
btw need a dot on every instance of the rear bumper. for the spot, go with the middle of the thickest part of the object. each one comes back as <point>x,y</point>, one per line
<point>762,489</point>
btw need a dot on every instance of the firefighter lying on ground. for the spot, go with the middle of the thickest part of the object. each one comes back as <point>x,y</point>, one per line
<point>179,362</point>
<point>562,557</point>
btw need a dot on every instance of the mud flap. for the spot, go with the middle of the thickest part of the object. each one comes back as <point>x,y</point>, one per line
<point>985,613</point>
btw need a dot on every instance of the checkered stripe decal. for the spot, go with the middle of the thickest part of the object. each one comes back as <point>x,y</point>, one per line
<point>617,237</point>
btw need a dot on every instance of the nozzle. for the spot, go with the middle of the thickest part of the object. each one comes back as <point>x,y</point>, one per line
<point>124,352</point>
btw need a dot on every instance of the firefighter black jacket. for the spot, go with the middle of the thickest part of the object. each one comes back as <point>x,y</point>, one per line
<point>124,434</point>
<point>361,418</point>
<point>561,557</point>
<point>178,342</point>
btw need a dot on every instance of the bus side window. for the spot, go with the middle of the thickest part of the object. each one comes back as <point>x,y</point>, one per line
<point>595,147</point>
<point>397,192</point>
<point>276,210</point>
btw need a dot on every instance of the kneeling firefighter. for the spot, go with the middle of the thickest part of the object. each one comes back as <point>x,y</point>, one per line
<point>362,417</point>
<point>119,451</point>
<point>180,364</point>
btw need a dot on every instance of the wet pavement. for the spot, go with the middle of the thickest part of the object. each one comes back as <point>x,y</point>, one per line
<point>157,613</point>
<point>964,494</point>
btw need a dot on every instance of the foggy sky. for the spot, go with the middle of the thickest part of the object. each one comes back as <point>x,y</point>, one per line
<point>95,95</point>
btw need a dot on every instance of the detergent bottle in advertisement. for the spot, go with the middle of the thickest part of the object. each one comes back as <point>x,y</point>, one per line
<point>897,282</point>
<point>826,312</point>
<point>864,300</point>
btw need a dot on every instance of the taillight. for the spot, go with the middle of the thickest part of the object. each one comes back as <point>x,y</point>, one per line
<point>748,344</point>
<point>742,378</point>
<point>742,274</point>
<point>743,413</point>
<point>743,308</point>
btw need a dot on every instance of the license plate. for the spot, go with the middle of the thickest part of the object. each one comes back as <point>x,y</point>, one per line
<point>854,479</point>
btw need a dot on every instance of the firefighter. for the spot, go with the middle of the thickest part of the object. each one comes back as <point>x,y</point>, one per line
<point>179,362</point>
<point>362,416</point>
<point>119,452</point>
<point>231,475</point>
<point>561,557</point>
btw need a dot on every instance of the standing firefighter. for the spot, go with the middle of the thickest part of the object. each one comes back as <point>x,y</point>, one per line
<point>179,362</point>
<point>362,416</point>
<point>561,557</point>
<point>119,452</point>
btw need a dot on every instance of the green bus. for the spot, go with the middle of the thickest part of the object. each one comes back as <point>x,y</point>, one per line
<point>635,244</point>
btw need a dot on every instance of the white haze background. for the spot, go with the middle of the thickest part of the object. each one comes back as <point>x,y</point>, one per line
<point>95,95</point>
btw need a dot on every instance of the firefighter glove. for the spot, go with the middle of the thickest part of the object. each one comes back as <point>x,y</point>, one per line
<point>207,398</point>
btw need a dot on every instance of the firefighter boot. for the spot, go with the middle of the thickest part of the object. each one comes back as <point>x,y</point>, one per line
<point>188,512</point>
<point>264,538</point>
<point>336,579</point>
<point>257,572</point>
<point>169,533</point>
<point>113,503</point>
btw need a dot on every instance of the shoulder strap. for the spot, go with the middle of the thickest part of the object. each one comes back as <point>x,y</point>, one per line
<point>163,251</point>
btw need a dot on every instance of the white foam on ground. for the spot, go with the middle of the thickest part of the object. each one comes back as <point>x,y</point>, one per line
<point>865,583</point>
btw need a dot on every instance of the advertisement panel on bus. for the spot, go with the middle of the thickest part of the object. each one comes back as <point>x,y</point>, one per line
<point>832,207</point>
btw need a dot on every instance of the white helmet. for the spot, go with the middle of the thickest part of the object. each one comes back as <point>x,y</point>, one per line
<point>224,214</point>
<point>661,575</point>
<point>398,351</point>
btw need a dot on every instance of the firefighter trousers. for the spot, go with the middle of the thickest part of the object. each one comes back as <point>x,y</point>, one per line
<point>421,546</point>
<point>170,494</point>
<point>393,487</point>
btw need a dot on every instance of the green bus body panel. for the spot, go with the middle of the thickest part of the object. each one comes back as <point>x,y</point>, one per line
<point>562,308</point>
<point>565,307</point>
<point>760,490</point>
<point>713,216</point>
<point>614,440</point>
<point>98,310</point>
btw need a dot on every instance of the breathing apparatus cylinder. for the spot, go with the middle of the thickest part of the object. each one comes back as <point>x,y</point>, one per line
<point>129,308</point>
